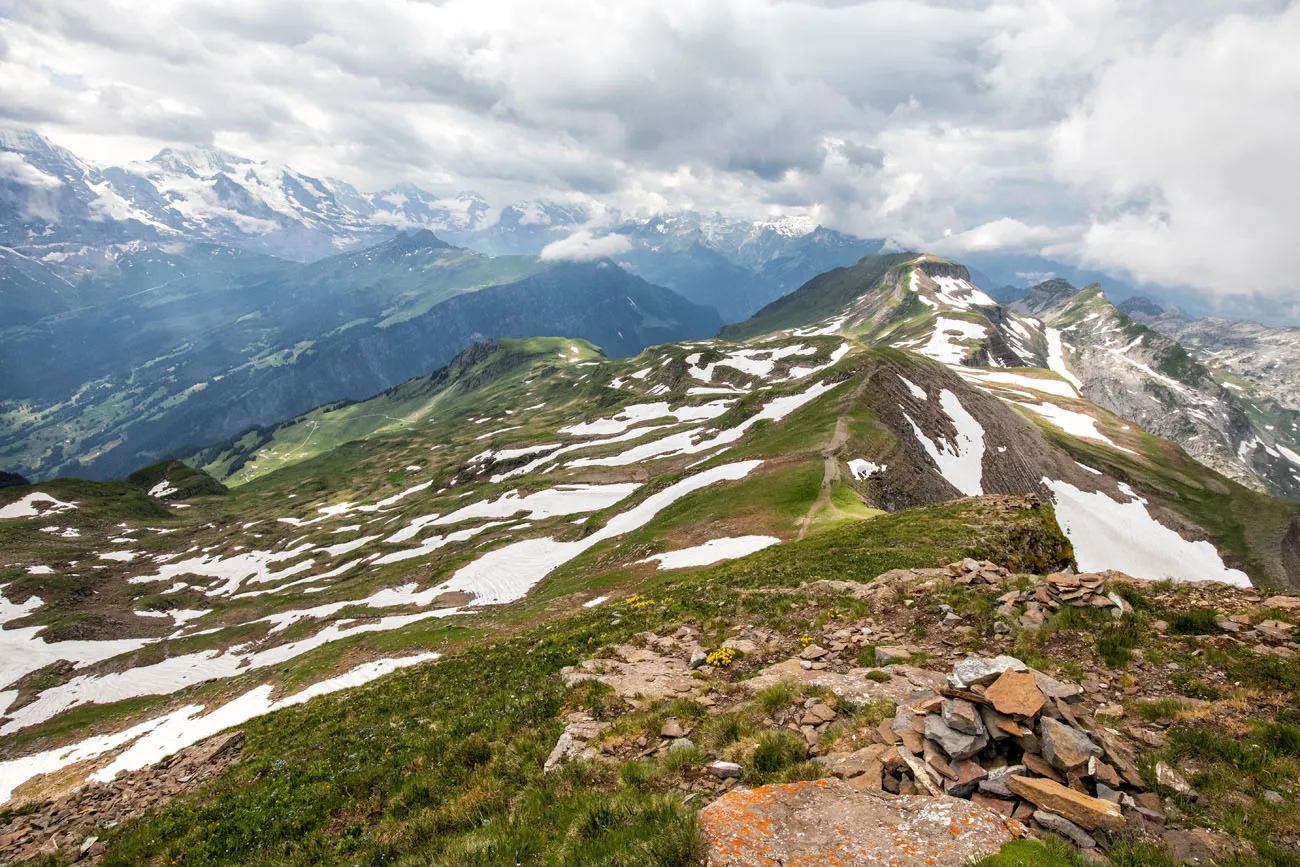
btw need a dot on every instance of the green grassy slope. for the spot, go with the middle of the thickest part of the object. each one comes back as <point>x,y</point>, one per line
<point>504,364</point>
<point>817,299</point>
<point>442,764</point>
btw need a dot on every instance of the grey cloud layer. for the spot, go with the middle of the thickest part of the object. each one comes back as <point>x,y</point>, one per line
<point>1142,135</point>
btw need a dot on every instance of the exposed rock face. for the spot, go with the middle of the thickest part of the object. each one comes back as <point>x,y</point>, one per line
<point>1150,378</point>
<point>71,825</point>
<point>1268,357</point>
<point>854,685</point>
<point>827,822</point>
<point>637,672</point>
<point>573,742</point>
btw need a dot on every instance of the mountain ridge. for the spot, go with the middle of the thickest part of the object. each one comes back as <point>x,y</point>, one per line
<point>207,352</point>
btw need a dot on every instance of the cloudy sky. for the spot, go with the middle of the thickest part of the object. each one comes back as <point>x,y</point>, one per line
<point>1152,138</point>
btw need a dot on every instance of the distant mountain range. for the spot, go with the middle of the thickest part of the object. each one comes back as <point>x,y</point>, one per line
<point>59,210</point>
<point>183,344</point>
<point>172,303</point>
<point>928,305</point>
<point>63,212</point>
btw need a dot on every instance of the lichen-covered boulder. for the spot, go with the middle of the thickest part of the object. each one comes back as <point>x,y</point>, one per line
<point>828,822</point>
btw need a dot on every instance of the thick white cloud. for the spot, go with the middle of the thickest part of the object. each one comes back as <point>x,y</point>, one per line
<point>1000,234</point>
<point>1144,135</point>
<point>12,165</point>
<point>583,246</point>
<point>1187,154</point>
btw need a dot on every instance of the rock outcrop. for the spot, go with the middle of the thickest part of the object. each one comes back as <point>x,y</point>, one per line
<point>827,822</point>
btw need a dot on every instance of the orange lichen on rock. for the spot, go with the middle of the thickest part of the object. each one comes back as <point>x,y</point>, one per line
<point>827,823</point>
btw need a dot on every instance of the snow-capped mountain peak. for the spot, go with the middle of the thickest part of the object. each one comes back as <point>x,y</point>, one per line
<point>201,162</point>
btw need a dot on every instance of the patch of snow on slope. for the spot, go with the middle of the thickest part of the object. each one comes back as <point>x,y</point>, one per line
<point>178,672</point>
<point>23,651</point>
<point>1074,423</point>
<point>702,389</point>
<point>1047,386</point>
<point>863,469</point>
<point>176,734</point>
<point>831,327</point>
<point>756,362</point>
<point>689,442</point>
<point>431,544</point>
<point>1107,534</point>
<point>508,573</point>
<point>395,498</point>
<point>1288,454</point>
<point>913,284</point>
<point>712,551</point>
<point>962,295</point>
<point>960,462</point>
<point>560,500</point>
<point>347,547</point>
<point>162,489</point>
<point>1056,359</point>
<point>164,735</point>
<point>943,346</point>
<point>803,372</point>
<point>633,415</point>
<point>635,433</point>
<point>231,571</point>
<point>916,390</point>
<point>35,505</point>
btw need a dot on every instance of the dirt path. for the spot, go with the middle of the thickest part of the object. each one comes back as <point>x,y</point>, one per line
<point>831,474</point>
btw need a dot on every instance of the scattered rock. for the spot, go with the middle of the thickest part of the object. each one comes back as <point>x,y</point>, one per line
<point>813,652</point>
<point>891,654</point>
<point>1065,828</point>
<point>1016,694</point>
<point>1053,688</point>
<point>970,775</point>
<point>725,770</point>
<point>1171,779</point>
<point>672,729</point>
<point>73,824</point>
<point>996,782</point>
<point>573,743</point>
<point>1228,625</point>
<point>636,674</point>
<point>1084,810</point>
<point>854,685</point>
<point>1200,847</point>
<point>962,716</point>
<point>997,805</point>
<point>819,713</point>
<point>956,744</point>
<point>978,671</point>
<point>1065,747</point>
<point>741,645</point>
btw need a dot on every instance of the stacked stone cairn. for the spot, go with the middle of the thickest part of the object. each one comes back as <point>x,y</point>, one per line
<point>1015,741</point>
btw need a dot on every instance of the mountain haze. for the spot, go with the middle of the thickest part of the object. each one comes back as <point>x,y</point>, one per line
<point>198,342</point>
